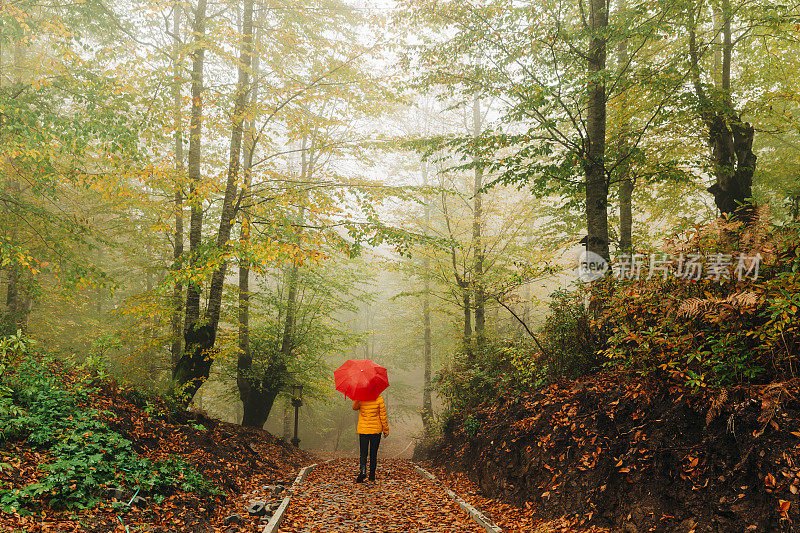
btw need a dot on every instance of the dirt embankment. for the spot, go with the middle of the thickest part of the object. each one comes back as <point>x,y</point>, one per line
<point>243,463</point>
<point>638,455</point>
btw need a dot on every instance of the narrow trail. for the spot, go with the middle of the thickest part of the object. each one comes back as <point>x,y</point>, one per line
<point>329,500</point>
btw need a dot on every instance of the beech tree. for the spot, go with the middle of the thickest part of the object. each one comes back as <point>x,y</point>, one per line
<point>552,88</point>
<point>716,32</point>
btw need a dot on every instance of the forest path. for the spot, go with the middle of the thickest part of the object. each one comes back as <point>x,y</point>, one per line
<point>329,500</point>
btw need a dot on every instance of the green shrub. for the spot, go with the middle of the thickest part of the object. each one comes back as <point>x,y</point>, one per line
<point>568,348</point>
<point>471,426</point>
<point>569,343</point>
<point>497,367</point>
<point>87,455</point>
<point>710,333</point>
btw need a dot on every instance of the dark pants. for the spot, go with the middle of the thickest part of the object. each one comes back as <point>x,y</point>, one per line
<point>369,442</point>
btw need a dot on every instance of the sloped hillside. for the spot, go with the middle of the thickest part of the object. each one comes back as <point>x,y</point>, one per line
<point>81,454</point>
<point>638,454</point>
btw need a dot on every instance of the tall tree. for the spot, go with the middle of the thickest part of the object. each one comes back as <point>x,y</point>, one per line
<point>463,282</point>
<point>624,176</point>
<point>730,138</point>
<point>477,229</point>
<point>177,291</point>
<point>195,364</point>
<point>427,386</point>
<point>596,182</point>
<point>183,369</point>
<point>251,388</point>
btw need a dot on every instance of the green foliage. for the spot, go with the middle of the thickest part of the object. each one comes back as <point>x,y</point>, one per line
<point>12,348</point>
<point>471,426</point>
<point>88,456</point>
<point>569,343</point>
<point>155,404</point>
<point>174,472</point>
<point>512,366</point>
<point>710,333</point>
<point>498,367</point>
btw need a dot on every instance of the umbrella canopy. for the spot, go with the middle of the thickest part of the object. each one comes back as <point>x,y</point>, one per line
<point>361,379</point>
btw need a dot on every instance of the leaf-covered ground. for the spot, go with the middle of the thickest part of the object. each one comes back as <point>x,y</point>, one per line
<point>400,500</point>
<point>636,454</point>
<point>238,461</point>
<point>511,518</point>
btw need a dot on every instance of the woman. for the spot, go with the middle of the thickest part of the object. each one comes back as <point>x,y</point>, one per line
<point>371,422</point>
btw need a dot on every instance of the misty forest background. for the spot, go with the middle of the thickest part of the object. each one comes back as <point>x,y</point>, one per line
<point>216,199</point>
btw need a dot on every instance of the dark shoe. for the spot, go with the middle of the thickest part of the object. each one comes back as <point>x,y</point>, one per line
<point>361,478</point>
<point>372,477</point>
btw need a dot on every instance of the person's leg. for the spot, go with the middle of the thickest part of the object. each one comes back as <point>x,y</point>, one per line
<point>363,443</point>
<point>375,441</point>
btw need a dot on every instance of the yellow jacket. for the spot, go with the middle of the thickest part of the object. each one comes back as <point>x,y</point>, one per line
<point>371,416</point>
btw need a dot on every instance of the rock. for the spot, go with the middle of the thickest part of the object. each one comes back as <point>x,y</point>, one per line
<point>257,508</point>
<point>687,525</point>
<point>637,515</point>
<point>115,492</point>
<point>233,519</point>
<point>629,527</point>
<point>138,501</point>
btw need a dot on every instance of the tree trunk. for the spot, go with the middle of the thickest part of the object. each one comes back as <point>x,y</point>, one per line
<point>730,139</point>
<point>193,169</point>
<point>195,364</point>
<point>17,299</point>
<point>291,303</point>
<point>177,290</point>
<point>626,183</point>
<point>717,47</point>
<point>594,150</point>
<point>463,284</point>
<point>727,51</point>
<point>229,207</point>
<point>257,398</point>
<point>427,404</point>
<point>288,420</point>
<point>477,227</point>
<point>626,187</point>
<point>293,275</point>
<point>465,299</point>
<point>257,402</point>
<point>153,369</point>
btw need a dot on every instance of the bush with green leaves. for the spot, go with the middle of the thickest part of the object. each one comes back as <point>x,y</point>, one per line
<point>471,426</point>
<point>709,333</point>
<point>570,345</point>
<point>88,456</point>
<point>497,366</point>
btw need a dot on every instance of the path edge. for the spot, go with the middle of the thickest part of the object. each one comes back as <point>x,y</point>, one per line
<point>480,518</point>
<point>275,522</point>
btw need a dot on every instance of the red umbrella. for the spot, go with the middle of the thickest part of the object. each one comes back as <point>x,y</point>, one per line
<point>361,379</point>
